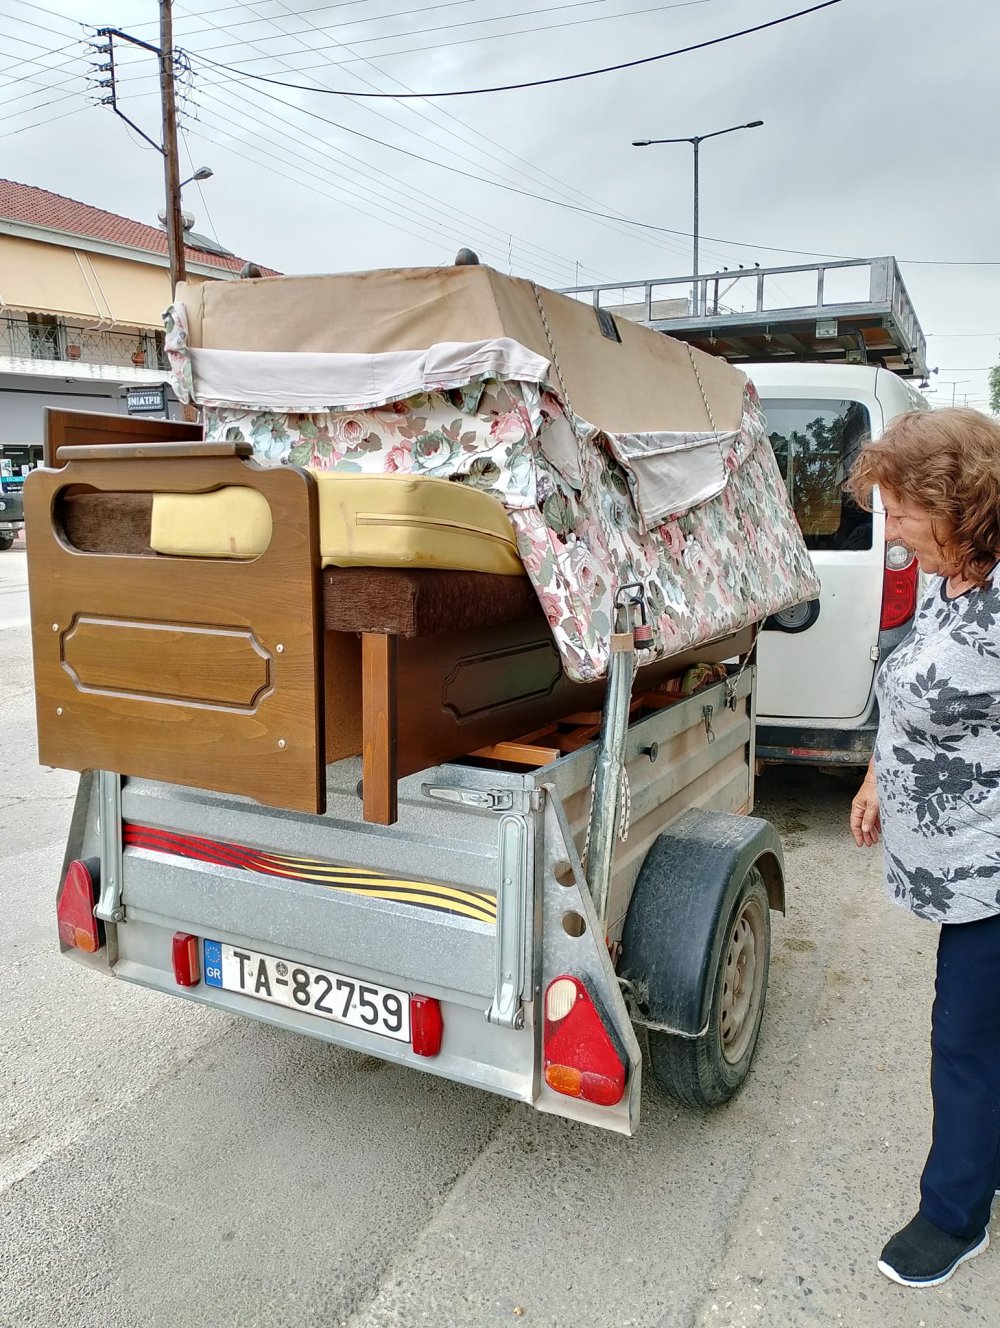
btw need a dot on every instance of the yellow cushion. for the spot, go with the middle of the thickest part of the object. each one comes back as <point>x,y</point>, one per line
<point>229,523</point>
<point>365,521</point>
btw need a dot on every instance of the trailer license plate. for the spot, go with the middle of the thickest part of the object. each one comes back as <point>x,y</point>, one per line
<point>312,990</point>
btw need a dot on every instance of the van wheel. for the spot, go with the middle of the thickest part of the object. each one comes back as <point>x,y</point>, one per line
<point>707,1071</point>
<point>6,542</point>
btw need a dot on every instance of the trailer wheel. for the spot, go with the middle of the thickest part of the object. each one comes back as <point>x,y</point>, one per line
<point>6,542</point>
<point>709,1070</point>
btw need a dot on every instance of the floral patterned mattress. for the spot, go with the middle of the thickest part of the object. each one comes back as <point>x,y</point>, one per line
<point>702,521</point>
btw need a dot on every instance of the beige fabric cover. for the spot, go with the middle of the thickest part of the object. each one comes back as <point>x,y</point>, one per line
<point>643,384</point>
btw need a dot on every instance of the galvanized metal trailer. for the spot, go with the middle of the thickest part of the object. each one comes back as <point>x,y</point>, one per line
<point>464,940</point>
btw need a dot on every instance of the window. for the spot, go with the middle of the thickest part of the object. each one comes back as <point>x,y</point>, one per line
<point>816,442</point>
<point>43,337</point>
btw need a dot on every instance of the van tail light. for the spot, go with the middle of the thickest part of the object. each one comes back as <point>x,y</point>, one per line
<point>426,1025</point>
<point>78,928</point>
<point>187,960</point>
<point>581,1059</point>
<point>899,586</point>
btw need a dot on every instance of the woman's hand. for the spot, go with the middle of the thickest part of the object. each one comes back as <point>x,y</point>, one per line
<point>866,823</point>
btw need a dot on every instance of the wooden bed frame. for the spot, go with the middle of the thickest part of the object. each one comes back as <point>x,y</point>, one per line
<point>225,674</point>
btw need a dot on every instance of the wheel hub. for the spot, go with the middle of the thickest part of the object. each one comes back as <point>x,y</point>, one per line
<point>742,981</point>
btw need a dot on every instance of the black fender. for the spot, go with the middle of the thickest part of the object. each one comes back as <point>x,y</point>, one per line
<point>676,922</point>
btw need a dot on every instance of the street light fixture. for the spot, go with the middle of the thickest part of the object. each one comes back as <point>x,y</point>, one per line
<point>202,173</point>
<point>695,142</point>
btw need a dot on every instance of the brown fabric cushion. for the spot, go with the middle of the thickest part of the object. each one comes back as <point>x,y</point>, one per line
<point>422,603</point>
<point>356,599</point>
<point>108,522</point>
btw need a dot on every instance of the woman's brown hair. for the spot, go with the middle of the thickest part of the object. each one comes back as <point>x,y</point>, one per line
<point>948,463</point>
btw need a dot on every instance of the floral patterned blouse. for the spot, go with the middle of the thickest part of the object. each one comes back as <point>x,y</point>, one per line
<point>937,758</point>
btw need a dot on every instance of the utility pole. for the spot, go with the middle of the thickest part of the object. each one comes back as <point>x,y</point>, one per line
<point>171,168</point>
<point>695,143</point>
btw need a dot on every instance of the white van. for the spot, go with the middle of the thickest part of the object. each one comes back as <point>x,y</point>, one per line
<point>817,663</point>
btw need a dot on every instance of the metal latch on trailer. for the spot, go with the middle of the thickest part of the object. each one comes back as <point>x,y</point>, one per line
<point>109,905</point>
<point>490,800</point>
<point>512,914</point>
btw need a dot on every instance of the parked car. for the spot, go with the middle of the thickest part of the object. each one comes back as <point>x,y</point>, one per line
<point>816,695</point>
<point>11,511</point>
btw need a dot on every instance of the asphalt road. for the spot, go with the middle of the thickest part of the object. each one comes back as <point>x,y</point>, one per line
<point>162,1166</point>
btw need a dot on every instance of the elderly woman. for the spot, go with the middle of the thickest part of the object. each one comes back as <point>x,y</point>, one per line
<point>933,793</point>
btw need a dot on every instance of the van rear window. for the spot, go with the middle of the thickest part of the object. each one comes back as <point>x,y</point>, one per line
<point>816,442</point>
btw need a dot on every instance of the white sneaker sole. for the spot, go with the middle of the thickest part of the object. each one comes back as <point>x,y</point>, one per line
<point>893,1276</point>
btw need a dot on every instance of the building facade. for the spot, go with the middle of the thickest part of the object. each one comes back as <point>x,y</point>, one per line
<point>82,293</point>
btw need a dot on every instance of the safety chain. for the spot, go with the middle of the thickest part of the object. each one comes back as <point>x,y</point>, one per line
<point>734,682</point>
<point>625,802</point>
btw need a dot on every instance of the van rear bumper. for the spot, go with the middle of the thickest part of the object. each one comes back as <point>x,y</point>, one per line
<point>816,746</point>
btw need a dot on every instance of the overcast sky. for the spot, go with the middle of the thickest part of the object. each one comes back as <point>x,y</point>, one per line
<point>879,138</point>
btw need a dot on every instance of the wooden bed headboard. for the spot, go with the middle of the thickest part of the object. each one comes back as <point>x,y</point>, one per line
<point>71,428</point>
<point>195,671</point>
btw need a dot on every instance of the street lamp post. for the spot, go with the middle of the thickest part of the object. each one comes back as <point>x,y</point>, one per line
<point>696,141</point>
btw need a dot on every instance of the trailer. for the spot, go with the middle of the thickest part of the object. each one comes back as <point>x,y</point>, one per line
<point>370,804</point>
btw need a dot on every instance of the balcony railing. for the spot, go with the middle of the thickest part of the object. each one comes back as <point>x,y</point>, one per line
<point>57,341</point>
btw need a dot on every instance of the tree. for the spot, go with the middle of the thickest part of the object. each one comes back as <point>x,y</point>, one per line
<point>995,390</point>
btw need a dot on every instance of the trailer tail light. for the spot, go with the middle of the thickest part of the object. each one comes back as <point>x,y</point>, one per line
<point>78,928</point>
<point>580,1056</point>
<point>187,960</point>
<point>899,586</point>
<point>426,1025</point>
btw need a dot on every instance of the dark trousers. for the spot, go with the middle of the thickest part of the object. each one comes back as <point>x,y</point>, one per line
<point>963,1166</point>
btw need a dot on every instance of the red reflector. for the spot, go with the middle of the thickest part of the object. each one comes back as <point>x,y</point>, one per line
<point>580,1057</point>
<point>899,596</point>
<point>187,960</point>
<point>426,1025</point>
<point>75,907</point>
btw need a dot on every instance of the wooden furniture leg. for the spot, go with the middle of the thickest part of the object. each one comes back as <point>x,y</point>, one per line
<point>379,729</point>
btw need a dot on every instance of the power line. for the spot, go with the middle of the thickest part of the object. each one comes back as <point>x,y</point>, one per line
<point>607,216</point>
<point>228,9</point>
<point>373,179</point>
<point>358,190</point>
<point>15,67</point>
<point>201,192</point>
<point>325,193</point>
<point>42,27</point>
<point>469,175</point>
<point>469,23</point>
<point>77,110</point>
<point>534,83</point>
<point>38,90</point>
<point>614,224</point>
<point>429,119</point>
<point>52,13</point>
<point>546,255</point>
<point>53,101</point>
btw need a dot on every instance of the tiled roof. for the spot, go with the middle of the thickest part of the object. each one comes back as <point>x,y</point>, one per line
<point>38,207</point>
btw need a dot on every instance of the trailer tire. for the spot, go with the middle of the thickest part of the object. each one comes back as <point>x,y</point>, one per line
<point>6,542</point>
<point>707,1071</point>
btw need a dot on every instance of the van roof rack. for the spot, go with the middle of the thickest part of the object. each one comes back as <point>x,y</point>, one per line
<point>856,311</point>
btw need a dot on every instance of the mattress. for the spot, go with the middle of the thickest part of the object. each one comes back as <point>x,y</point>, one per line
<point>406,602</point>
<point>365,521</point>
